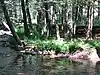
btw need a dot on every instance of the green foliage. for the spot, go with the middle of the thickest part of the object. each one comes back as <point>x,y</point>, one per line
<point>95,43</point>
<point>20,31</point>
<point>59,45</point>
<point>19,28</point>
<point>97,21</point>
<point>33,35</point>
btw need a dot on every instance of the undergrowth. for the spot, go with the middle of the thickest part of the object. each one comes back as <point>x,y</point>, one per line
<point>60,45</point>
<point>57,45</point>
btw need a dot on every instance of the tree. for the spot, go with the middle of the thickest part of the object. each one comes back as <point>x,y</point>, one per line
<point>80,13</point>
<point>90,21</point>
<point>75,12</point>
<point>98,9</point>
<point>28,14</point>
<point>26,29</point>
<point>9,23</point>
<point>46,6</point>
<point>69,18</point>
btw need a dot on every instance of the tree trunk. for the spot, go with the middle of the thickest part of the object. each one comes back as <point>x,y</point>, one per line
<point>9,23</point>
<point>98,9</point>
<point>26,30</point>
<point>15,11</point>
<point>28,14</point>
<point>80,13</point>
<point>64,23</point>
<point>47,19</point>
<point>62,15</point>
<point>88,11</point>
<point>90,22</point>
<point>69,19</point>
<point>57,28</point>
<point>75,19</point>
<point>57,32</point>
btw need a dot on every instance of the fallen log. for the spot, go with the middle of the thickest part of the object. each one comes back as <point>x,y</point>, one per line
<point>5,25</point>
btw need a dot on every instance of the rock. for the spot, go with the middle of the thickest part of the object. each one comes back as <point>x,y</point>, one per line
<point>89,54</point>
<point>93,55</point>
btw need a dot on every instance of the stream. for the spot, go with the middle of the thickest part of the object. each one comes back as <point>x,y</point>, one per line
<point>14,63</point>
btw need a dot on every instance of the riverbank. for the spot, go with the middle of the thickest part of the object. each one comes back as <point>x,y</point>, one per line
<point>39,58</point>
<point>72,49</point>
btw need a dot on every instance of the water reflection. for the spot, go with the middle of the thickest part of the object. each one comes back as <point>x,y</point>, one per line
<point>23,64</point>
<point>97,68</point>
<point>27,64</point>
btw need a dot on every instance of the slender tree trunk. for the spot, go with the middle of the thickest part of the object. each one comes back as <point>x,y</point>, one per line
<point>90,22</point>
<point>80,13</point>
<point>51,13</point>
<point>76,13</point>
<point>65,26</point>
<point>75,19</point>
<point>68,26</point>
<point>99,9</point>
<point>69,19</point>
<point>9,23</point>
<point>28,14</point>
<point>57,28</point>
<point>64,23</point>
<point>47,19</point>
<point>26,29</point>
<point>62,17</point>
<point>57,32</point>
<point>88,11</point>
<point>15,11</point>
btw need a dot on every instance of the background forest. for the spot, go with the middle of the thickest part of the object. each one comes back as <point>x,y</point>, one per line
<point>53,21</point>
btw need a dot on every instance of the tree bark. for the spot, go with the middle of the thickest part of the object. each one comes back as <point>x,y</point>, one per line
<point>28,14</point>
<point>57,28</point>
<point>90,22</point>
<point>80,13</point>
<point>47,19</point>
<point>9,23</point>
<point>98,9</point>
<point>75,19</point>
<point>15,10</point>
<point>69,19</point>
<point>26,29</point>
